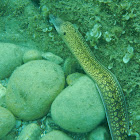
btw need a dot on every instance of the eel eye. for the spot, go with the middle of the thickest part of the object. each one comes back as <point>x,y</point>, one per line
<point>64,33</point>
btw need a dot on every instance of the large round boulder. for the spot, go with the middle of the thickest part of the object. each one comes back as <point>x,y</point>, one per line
<point>78,108</point>
<point>33,87</point>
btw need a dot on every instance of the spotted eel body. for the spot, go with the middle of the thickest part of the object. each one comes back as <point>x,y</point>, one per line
<point>108,86</point>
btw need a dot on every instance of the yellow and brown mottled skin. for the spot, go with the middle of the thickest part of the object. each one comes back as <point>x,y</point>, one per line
<point>107,84</point>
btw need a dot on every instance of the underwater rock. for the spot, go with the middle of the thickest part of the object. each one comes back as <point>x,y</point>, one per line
<point>30,132</point>
<point>52,57</point>
<point>2,95</point>
<point>100,133</point>
<point>10,58</point>
<point>33,87</point>
<point>78,108</point>
<point>7,121</point>
<point>31,55</point>
<point>72,78</point>
<point>70,66</point>
<point>56,135</point>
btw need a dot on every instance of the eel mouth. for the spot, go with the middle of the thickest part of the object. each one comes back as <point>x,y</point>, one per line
<point>57,22</point>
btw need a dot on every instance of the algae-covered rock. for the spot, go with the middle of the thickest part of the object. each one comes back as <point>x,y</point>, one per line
<point>32,88</point>
<point>31,55</point>
<point>30,132</point>
<point>7,121</point>
<point>10,58</point>
<point>78,108</point>
<point>56,135</point>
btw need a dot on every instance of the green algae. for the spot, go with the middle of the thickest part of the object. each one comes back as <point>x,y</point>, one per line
<point>27,23</point>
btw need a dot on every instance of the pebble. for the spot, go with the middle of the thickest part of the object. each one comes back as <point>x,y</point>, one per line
<point>10,58</point>
<point>33,87</point>
<point>70,66</point>
<point>30,132</point>
<point>31,55</point>
<point>56,135</point>
<point>52,57</point>
<point>7,121</point>
<point>100,133</point>
<point>72,78</point>
<point>78,108</point>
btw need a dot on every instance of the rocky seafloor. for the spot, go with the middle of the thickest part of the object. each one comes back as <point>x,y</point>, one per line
<point>44,93</point>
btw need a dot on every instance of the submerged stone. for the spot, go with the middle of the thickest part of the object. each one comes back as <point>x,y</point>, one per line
<point>33,87</point>
<point>78,108</point>
<point>31,55</point>
<point>56,135</point>
<point>30,132</point>
<point>7,121</point>
<point>10,58</point>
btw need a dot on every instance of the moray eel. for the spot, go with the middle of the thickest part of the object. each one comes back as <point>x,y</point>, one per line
<point>107,84</point>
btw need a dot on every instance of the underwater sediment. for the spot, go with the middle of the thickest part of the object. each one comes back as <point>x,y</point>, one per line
<point>110,28</point>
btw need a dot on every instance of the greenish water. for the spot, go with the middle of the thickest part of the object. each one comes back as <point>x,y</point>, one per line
<point>111,29</point>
